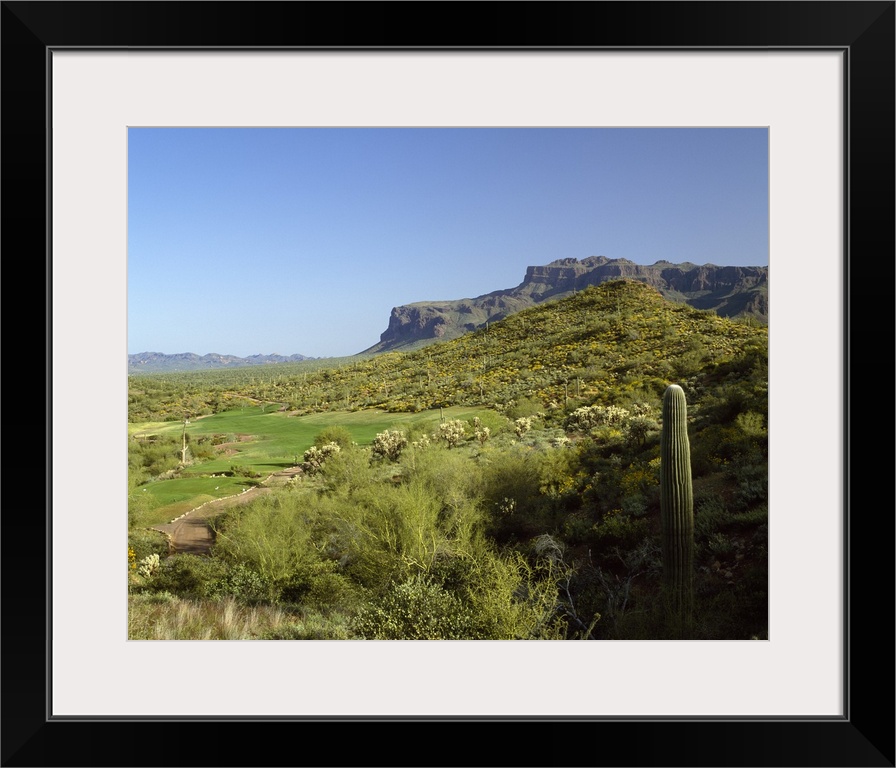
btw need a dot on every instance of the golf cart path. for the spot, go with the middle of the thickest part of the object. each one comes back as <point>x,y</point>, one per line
<point>190,533</point>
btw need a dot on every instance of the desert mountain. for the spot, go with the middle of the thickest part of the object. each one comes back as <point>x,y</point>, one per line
<point>157,362</point>
<point>729,291</point>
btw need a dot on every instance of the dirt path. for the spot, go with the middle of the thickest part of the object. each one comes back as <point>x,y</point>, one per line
<point>190,533</point>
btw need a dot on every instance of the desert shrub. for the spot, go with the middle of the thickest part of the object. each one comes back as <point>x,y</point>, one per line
<point>328,588</point>
<point>477,594</point>
<point>641,478</point>
<point>237,470</point>
<point>391,533</point>
<point>623,586</point>
<point>202,448</point>
<point>313,626</point>
<point>334,434</point>
<point>522,407</point>
<point>154,455</point>
<point>557,471</point>
<point>185,575</point>
<point>709,516</point>
<point>513,599</point>
<point>322,585</point>
<point>577,528</point>
<point>751,424</point>
<point>241,583</point>
<point>450,477</point>
<point>347,472</point>
<point>601,491</point>
<point>622,530</point>
<point>511,493</point>
<point>720,545</point>
<point>514,473</point>
<point>387,531</point>
<point>416,609</point>
<point>752,484</point>
<point>145,543</point>
<point>755,516</point>
<point>272,537</point>
<point>635,505</point>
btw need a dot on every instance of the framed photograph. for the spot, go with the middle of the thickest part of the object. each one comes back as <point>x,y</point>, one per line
<point>818,76</point>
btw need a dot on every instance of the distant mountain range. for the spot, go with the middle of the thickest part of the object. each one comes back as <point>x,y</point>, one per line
<point>729,291</point>
<point>156,362</point>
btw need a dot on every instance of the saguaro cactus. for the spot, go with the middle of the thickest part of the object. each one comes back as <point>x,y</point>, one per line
<point>677,511</point>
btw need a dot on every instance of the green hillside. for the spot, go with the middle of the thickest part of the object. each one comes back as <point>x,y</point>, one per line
<point>606,344</point>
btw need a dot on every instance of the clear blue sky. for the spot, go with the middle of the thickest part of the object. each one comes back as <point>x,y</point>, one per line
<point>301,240</point>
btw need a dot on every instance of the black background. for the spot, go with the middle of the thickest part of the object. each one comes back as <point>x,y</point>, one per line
<point>864,737</point>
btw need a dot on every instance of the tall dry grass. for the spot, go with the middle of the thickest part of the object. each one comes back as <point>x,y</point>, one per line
<point>162,616</point>
<point>165,617</point>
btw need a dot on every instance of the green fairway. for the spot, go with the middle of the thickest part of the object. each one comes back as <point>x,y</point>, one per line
<point>263,441</point>
<point>198,489</point>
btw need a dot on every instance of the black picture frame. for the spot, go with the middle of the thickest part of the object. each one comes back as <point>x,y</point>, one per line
<point>864,736</point>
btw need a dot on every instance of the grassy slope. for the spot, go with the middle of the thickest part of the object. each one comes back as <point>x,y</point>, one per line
<point>611,342</point>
